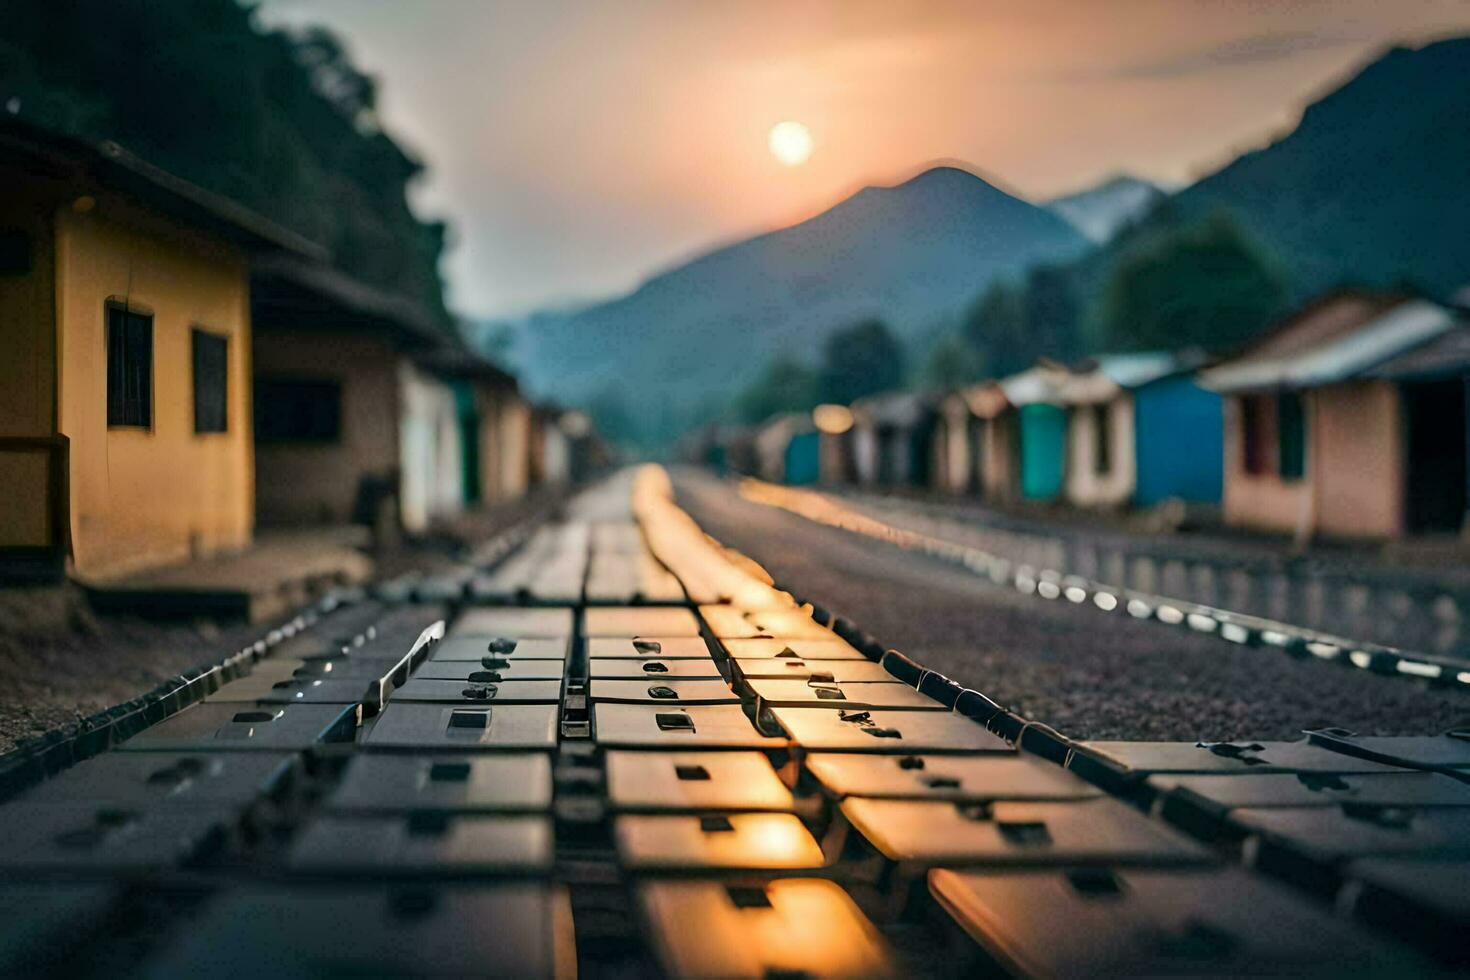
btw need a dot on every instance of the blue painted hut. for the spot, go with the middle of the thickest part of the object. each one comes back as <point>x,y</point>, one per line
<point>1179,441</point>
<point>788,448</point>
<point>1140,431</point>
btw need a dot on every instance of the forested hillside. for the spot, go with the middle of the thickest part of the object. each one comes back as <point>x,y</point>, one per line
<point>282,123</point>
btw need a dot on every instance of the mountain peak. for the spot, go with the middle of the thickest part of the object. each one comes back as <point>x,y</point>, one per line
<point>938,177</point>
<point>1099,212</point>
<point>909,252</point>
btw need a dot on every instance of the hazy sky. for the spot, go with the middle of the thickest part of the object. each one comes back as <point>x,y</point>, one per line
<point>579,146</point>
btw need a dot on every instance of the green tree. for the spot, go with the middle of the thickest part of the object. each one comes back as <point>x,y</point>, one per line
<point>1051,313</point>
<point>860,360</point>
<point>1206,286</point>
<point>995,328</point>
<point>280,121</point>
<point>786,385</point>
<point>953,362</point>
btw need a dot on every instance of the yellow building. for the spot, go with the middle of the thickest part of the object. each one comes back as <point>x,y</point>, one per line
<point>125,435</point>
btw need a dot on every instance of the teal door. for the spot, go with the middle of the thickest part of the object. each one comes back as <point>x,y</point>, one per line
<point>1043,451</point>
<point>802,458</point>
<point>469,441</point>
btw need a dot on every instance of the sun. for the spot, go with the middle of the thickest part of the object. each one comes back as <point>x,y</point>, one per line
<point>790,143</point>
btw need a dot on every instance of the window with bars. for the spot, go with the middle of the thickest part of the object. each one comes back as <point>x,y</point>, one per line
<point>129,368</point>
<point>211,380</point>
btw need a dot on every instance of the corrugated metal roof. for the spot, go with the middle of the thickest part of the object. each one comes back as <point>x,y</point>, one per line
<point>1102,378</point>
<point>1329,315</point>
<point>1350,342</point>
<point>1041,384</point>
<point>1134,370</point>
<point>1445,356</point>
<point>896,408</point>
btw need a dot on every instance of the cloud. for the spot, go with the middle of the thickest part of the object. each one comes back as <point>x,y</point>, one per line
<point>1255,49</point>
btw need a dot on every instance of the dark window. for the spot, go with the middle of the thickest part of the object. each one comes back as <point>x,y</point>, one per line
<point>211,374</point>
<point>1292,433</point>
<point>292,410</point>
<point>1102,441</point>
<point>1257,427</point>
<point>129,368</point>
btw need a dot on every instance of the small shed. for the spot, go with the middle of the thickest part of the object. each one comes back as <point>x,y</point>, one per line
<point>994,440</point>
<point>1322,437</point>
<point>974,439</point>
<point>586,452</point>
<point>836,444</point>
<point>892,444</point>
<point>1041,430</point>
<point>551,450</point>
<point>788,449</point>
<point>952,467</point>
<point>483,394</point>
<point>1178,439</point>
<point>328,353</point>
<point>1140,430</point>
<point>430,452</point>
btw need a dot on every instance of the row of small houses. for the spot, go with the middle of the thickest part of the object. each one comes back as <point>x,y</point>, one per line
<point>175,370</point>
<point>1347,419</point>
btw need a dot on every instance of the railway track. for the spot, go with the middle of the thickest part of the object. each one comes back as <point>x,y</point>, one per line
<point>610,746</point>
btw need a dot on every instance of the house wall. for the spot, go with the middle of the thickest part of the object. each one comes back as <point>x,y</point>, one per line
<point>953,469</point>
<point>494,403</point>
<point>429,448</point>
<point>1043,436</point>
<point>1353,486</point>
<point>1086,486</point>
<point>835,457</point>
<point>556,458</point>
<point>144,497</point>
<point>309,482</point>
<point>999,457</point>
<point>27,364</point>
<point>515,447</point>
<point>770,449</point>
<point>1358,460</point>
<point>1262,500</point>
<point>865,453</point>
<point>1178,442</point>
